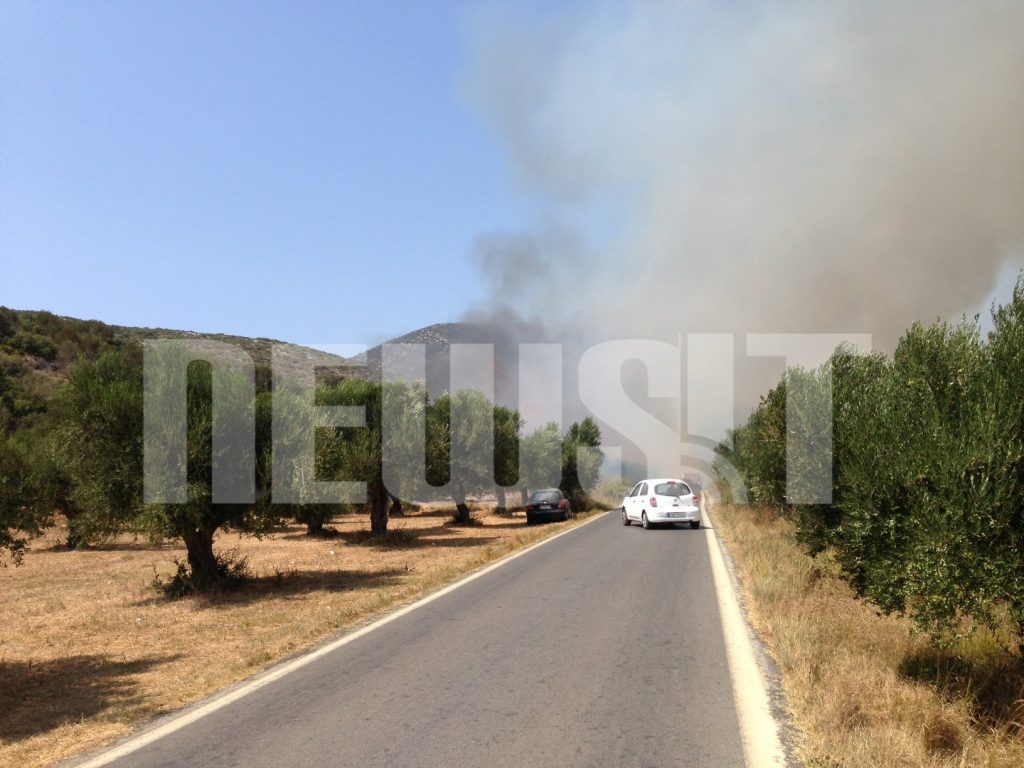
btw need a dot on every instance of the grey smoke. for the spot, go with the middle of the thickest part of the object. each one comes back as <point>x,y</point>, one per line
<point>754,167</point>
<point>792,166</point>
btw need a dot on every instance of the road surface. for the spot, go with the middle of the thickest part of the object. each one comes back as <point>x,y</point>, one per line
<point>601,648</point>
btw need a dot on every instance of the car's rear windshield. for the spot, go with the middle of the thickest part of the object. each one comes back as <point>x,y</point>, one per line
<point>550,497</point>
<point>672,489</point>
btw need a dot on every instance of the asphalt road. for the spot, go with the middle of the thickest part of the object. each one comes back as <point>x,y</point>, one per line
<point>601,648</point>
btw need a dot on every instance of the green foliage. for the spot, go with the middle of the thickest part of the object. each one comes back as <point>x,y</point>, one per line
<point>80,452</point>
<point>19,406</point>
<point>507,426</point>
<point>8,322</point>
<point>52,338</point>
<point>100,434</point>
<point>35,345</point>
<point>572,462</point>
<point>725,466</point>
<point>357,453</point>
<point>584,433</point>
<point>77,447</point>
<point>760,449</point>
<point>102,431</point>
<point>540,457</point>
<point>35,480</point>
<point>200,513</point>
<point>21,512</point>
<point>927,510</point>
<point>581,462</point>
<point>460,449</point>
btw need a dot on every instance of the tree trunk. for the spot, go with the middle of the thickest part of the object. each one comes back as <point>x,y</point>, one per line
<point>462,513</point>
<point>502,505</point>
<point>201,560</point>
<point>461,508</point>
<point>74,540</point>
<point>314,527</point>
<point>71,513</point>
<point>379,514</point>
<point>396,505</point>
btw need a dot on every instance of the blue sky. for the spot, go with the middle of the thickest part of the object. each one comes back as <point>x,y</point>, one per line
<point>310,173</point>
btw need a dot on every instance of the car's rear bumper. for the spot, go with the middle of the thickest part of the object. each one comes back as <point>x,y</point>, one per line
<point>546,514</point>
<point>683,515</point>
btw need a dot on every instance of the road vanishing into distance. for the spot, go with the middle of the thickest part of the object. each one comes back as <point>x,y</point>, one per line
<point>603,647</point>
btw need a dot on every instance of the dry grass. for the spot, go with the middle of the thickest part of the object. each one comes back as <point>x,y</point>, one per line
<point>864,689</point>
<point>89,648</point>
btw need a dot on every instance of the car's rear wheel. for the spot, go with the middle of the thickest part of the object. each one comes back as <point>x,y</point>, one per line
<point>566,515</point>
<point>644,521</point>
<point>530,520</point>
<point>695,524</point>
<point>625,517</point>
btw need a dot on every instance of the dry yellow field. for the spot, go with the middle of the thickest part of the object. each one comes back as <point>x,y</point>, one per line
<point>90,648</point>
<point>865,691</point>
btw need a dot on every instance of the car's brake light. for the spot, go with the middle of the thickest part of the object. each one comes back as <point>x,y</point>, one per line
<point>696,500</point>
<point>563,504</point>
<point>654,501</point>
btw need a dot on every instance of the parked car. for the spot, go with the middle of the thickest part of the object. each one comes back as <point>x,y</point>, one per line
<point>547,504</point>
<point>661,501</point>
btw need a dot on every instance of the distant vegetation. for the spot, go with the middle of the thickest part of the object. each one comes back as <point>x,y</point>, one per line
<point>71,434</point>
<point>927,511</point>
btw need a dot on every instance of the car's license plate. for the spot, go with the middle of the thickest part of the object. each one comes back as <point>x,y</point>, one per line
<point>675,514</point>
<point>545,506</point>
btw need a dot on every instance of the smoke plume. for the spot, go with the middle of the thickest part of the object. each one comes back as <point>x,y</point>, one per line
<point>761,167</point>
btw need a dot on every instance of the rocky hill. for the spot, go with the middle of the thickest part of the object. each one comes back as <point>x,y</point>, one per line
<point>437,340</point>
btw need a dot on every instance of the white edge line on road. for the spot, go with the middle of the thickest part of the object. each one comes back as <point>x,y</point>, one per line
<point>759,732</point>
<point>178,721</point>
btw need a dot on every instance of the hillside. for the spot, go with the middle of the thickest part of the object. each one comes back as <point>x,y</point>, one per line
<point>437,339</point>
<point>39,349</point>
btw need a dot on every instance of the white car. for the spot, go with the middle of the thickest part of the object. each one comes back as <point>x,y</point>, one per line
<point>661,501</point>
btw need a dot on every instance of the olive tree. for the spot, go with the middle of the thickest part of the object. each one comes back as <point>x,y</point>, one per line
<point>507,425</point>
<point>103,427</point>
<point>356,453</point>
<point>100,432</point>
<point>20,513</point>
<point>460,446</point>
<point>540,459</point>
<point>581,461</point>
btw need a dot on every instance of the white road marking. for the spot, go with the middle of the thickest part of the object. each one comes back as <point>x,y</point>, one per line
<point>176,722</point>
<point>759,732</point>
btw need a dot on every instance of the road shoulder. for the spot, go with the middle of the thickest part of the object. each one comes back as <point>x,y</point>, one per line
<point>768,733</point>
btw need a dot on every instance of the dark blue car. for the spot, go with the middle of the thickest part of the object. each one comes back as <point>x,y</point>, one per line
<point>547,504</point>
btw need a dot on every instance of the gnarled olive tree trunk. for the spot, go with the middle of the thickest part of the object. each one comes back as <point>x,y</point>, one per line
<point>201,560</point>
<point>462,515</point>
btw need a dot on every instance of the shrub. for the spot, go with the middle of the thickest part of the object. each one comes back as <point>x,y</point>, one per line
<point>232,573</point>
<point>927,509</point>
<point>35,345</point>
